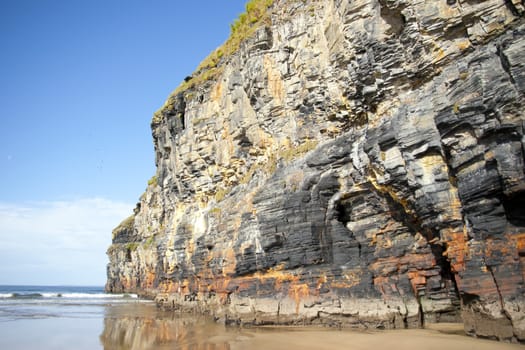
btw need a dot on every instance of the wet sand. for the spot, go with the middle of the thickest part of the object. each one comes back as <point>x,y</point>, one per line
<point>165,330</point>
<point>136,326</point>
<point>427,339</point>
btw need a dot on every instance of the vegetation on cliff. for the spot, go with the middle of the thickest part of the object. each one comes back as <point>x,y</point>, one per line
<point>243,27</point>
<point>125,226</point>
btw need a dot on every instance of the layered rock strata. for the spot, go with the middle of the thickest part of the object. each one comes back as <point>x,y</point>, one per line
<point>353,163</point>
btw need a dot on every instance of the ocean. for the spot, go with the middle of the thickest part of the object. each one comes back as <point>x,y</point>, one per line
<point>41,302</point>
<point>55,294</point>
<point>62,317</point>
<point>56,317</point>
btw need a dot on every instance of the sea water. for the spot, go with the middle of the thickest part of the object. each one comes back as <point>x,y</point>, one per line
<point>56,317</point>
<point>45,318</point>
<point>38,302</point>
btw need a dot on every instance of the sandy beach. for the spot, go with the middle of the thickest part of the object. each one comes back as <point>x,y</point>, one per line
<point>153,329</point>
<point>139,325</point>
<point>305,339</point>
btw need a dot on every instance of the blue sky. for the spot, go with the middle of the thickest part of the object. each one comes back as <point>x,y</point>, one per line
<point>80,81</point>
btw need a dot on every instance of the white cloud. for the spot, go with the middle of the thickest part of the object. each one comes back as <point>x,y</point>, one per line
<point>61,242</point>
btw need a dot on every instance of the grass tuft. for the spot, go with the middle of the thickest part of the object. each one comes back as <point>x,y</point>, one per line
<point>153,181</point>
<point>132,246</point>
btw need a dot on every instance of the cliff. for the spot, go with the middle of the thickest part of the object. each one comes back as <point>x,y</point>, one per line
<point>350,163</point>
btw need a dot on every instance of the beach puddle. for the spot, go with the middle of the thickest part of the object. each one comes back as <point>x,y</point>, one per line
<point>145,327</point>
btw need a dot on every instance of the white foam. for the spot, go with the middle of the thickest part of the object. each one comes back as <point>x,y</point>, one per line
<point>49,295</point>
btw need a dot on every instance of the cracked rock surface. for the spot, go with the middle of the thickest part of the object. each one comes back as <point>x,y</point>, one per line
<point>355,163</point>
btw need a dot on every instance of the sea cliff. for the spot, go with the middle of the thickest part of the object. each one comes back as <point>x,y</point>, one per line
<point>349,163</point>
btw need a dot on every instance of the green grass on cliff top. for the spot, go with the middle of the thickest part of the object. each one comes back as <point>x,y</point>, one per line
<point>242,28</point>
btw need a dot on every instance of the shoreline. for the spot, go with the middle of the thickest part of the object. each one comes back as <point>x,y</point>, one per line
<point>144,326</point>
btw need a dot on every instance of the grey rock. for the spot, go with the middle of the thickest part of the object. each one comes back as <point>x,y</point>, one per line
<point>354,164</point>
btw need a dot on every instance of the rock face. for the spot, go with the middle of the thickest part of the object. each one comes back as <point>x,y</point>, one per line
<point>354,163</point>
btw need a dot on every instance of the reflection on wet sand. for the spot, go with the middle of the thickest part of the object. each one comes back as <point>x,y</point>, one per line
<point>142,326</point>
